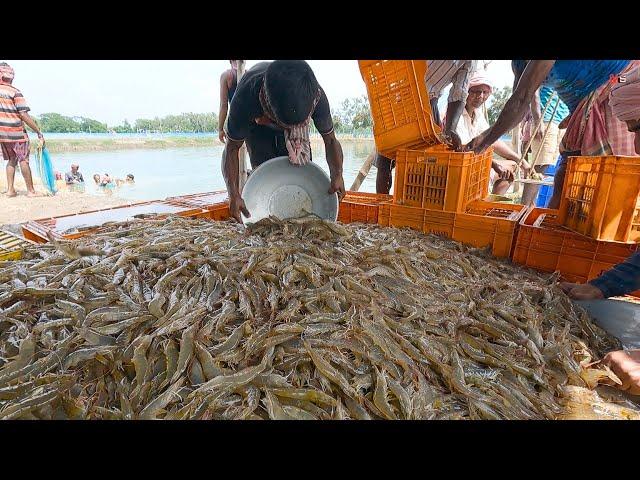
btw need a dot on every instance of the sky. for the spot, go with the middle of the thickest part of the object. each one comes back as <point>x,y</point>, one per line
<point>114,90</point>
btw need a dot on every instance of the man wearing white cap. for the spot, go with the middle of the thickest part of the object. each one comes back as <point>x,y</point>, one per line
<point>473,122</point>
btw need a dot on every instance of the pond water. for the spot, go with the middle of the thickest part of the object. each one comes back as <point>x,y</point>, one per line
<point>180,171</point>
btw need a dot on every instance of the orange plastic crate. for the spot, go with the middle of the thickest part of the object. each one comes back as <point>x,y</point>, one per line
<point>484,224</point>
<point>219,211</point>
<point>79,225</point>
<point>399,102</point>
<point>544,244</point>
<point>12,246</point>
<point>350,212</point>
<point>489,223</point>
<point>384,215</point>
<point>368,197</point>
<point>439,178</point>
<point>361,207</point>
<point>600,197</point>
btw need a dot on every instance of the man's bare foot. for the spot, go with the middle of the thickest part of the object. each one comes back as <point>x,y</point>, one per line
<point>11,193</point>
<point>33,194</point>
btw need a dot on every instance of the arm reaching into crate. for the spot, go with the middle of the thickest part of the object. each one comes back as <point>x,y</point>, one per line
<point>516,107</point>
<point>622,279</point>
<point>441,73</point>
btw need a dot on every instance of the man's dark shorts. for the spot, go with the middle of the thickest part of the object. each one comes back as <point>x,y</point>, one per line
<point>384,162</point>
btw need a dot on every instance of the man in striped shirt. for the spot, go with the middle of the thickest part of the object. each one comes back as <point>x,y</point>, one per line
<point>440,74</point>
<point>14,140</point>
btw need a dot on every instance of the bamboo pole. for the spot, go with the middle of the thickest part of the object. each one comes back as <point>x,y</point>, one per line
<point>515,144</point>
<point>523,154</point>
<point>515,138</point>
<point>362,174</point>
<point>242,164</point>
<point>535,130</point>
<point>544,137</point>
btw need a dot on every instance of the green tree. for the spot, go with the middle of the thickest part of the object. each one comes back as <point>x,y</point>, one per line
<point>124,128</point>
<point>499,99</point>
<point>353,114</point>
<point>338,126</point>
<point>93,126</point>
<point>56,123</point>
<point>183,123</point>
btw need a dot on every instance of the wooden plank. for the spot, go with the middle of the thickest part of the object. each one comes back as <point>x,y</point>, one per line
<point>536,182</point>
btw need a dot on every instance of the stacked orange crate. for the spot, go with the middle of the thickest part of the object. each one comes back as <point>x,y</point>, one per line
<point>439,178</point>
<point>489,223</point>
<point>399,101</point>
<point>436,190</point>
<point>483,224</point>
<point>601,198</point>
<point>361,207</point>
<point>546,245</point>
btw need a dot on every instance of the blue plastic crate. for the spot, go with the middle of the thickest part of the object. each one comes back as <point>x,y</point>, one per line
<point>546,191</point>
<point>544,195</point>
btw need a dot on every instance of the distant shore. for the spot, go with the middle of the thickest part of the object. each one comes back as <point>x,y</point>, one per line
<point>58,145</point>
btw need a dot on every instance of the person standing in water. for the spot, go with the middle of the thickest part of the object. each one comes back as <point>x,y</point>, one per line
<point>228,84</point>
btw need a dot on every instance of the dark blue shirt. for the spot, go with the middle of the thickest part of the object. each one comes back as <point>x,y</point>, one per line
<point>622,279</point>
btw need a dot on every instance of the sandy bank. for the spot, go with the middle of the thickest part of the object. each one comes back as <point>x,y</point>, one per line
<point>22,208</point>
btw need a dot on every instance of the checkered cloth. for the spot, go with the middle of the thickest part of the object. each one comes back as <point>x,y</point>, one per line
<point>625,97</point>
<point>296,136</point>
<point>594,130</point>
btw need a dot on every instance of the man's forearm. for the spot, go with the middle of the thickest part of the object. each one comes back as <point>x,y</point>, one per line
<point>535,109</point>
<point>334,155</point>
<point>502,149</point>
<point>230,167</point>
<point>222,116</point>
<point>622,279</point>
<point>26,118</point>
<point>512,113</point>
<point>454,111</point>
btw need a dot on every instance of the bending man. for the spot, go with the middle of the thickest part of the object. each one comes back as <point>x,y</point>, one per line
<point>271,111</point>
